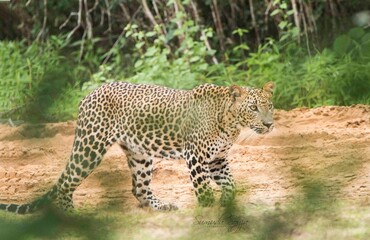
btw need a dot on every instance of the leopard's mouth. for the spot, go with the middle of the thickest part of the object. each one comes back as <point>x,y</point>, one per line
<point>262,129</point>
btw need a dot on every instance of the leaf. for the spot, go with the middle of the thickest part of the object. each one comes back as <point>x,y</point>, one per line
<point>211,52</point>
<point>342,44</point>
<point>284,37</point>
<point>356,33</point>
<point>138,63</point>
<point>151,51</point>
<point>290,12</point>
<point>242,46</point>
<point>366,50</point>
<point>283,6</point>
<point>295,31</point>
<point>365,38</point>
<point>209,32</point>
<point>128,33</point>
<point>139,45</point>
<point>276,11</point>
<point>127,27</point>
<point>283,24</point>
<point>151,34</point>
<point>240,31</point>
<point>194,59</point>
<point>203,67</point>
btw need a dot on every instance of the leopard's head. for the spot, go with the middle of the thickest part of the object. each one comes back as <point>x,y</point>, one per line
<point>253,107</point>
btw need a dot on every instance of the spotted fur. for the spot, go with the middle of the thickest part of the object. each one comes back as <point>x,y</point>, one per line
<point>148,122</point>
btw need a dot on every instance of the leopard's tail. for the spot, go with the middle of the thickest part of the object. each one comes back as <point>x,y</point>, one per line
<point>33,206</point>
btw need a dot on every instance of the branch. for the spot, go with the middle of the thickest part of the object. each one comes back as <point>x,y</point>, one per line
<point>267,12</point>
<point>205,39</point>
<point>68,19</point>
<point>88,21</point>
<point>82,46</point>
<point>254,23</point>
<point>120,36</point>
<point>96,3</point>
<point>178,23</point>
<point>333,12</point>
<point>164,31</point>
<point>302,13</point>
<point>296,18</point>
<point>233,9</point>
<point>109,17</point>
<point>79,20</point>
<point>42,31</point>
<point>126,12</point>
<point>148,13</point>
<point>218,24</point>
<point>310,16</point>
<point>102,12</point>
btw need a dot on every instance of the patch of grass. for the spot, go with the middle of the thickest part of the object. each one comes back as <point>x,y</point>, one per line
<point>65,106</point>
<point>32,79</point>
<point>52,223</point>
<point>340,220</point>
<point>37,83</point>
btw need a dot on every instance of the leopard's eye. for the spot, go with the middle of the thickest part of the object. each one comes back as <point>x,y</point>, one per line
<point>253,107</point>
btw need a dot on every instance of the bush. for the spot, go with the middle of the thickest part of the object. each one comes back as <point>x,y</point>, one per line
<point>21,70</point>
<point>38,83</point>
<point>32,79</point>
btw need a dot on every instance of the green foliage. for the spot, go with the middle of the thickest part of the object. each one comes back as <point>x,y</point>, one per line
<point>155,63</point>
<point>53,224</point>
<point>21,71</point>
<point>288,32</point>
<point>334,76</point>
<point>65,106</point>
<point>40,82</point>
<point>32,79</point>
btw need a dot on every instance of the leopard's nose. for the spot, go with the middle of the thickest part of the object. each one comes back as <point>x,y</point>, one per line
<point>267,124</point>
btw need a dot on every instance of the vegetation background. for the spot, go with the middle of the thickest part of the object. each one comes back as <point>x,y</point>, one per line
<point>53,52</point>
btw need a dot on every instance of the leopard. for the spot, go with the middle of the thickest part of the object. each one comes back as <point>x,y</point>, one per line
<point>150,122</point>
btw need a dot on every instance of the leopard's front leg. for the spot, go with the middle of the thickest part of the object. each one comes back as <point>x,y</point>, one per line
<point>220,173</point>
<point>199,176</point>
<point>142,169</point>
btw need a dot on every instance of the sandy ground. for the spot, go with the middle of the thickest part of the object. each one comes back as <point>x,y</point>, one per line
<point>331,144</point>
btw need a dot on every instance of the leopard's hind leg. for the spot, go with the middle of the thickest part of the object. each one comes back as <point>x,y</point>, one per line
<point>141,167</point>
<point>87,153</point>
<point>95,133</point>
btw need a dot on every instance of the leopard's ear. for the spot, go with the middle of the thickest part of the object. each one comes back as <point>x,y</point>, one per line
<point>235,91</point>
<point>269,87</point>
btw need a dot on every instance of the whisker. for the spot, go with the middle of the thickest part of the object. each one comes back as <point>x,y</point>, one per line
<point>245,135</point>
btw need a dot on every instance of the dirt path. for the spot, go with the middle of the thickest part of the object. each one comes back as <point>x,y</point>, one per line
<point>331,144</point>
